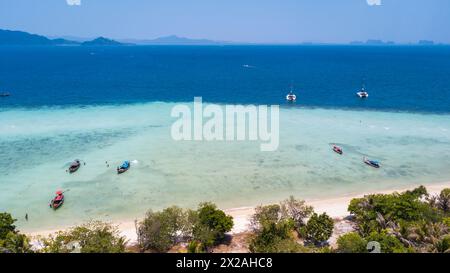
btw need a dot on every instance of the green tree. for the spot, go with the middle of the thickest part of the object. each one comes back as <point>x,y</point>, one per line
<point>319,228</point>
<point>210,224</point>
<point>92,237</point>
<point>351,243</point>
<point>388,243</point>
<point>444,200</point>
<point>297,210</point>
<point>265,214</point>
<point>159,231</point>
<point>275,238</point>
<point>11,241</point>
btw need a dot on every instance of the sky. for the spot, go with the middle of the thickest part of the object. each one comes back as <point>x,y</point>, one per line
<point>255,21</point>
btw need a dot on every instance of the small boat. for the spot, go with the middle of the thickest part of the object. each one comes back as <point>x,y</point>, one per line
<point>6,94</point>
<point>57,201</point>
<point>74,166</point>
<point>291,97</point>
<point>362,93</point>
<point>372,163</point>
<point>124,167</point>
<point>337,149</point>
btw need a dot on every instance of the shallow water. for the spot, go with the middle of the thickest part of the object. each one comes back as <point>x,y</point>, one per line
<point>37,145</point>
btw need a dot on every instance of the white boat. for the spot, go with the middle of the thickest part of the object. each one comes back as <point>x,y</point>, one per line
<point>362,93</point>
<point>291,97</point>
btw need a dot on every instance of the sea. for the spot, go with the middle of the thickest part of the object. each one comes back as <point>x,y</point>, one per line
<point>104,105</point>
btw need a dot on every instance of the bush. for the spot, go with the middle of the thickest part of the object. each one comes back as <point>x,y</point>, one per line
<point>275,238</point>
<point>444,200</point>
<point>210,224</point>
<point>159,231</point>
<point>319,228</point>
<point>297,210</point>
<point>391,208</point>
<point>351,243</point>
<point>92,237</point>
<point>11,241</point>
<point>388,243</point>
<point>265,215</point>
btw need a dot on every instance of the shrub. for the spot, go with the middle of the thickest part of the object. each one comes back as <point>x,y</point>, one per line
<point>159,231</point>
<point>11,241</point>
<point>351,243</point>
<point>319,228</point>
<point>275,238</point>
<point>92,237</point>
<point>444,200</point>
<point>388,243</point>
<point>297,210</point>
<point>210,224</point>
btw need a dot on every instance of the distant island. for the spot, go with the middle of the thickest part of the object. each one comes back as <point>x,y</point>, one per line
<point>11,37</point>
<point>175,40</point>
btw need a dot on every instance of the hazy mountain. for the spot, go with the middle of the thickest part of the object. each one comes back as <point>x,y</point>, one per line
<point>10,37</point>
<point>175,40</point>
<point>101,41</point>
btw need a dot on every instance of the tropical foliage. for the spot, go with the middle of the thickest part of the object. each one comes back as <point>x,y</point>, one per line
<point>11,241</point>
<point>92,237</point>
<point>404,222</point>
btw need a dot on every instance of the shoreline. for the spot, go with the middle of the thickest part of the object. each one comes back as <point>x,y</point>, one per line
<point>335,207</point>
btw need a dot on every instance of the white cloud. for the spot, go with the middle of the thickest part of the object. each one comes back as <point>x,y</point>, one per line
<point>374,2</point>
<point>73,2</point>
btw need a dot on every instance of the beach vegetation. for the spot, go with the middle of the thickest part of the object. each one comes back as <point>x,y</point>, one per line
<point>11,240</point>
<point>92,237</point>
<point>403,222</point>
<point>388,243</point>
<point>210,224</point>
<point>318,229</point>
<point>351,243</point>
<point>159,231</point>
<point>297,210</point>
<point>275,237</point>
<point>201,228</point>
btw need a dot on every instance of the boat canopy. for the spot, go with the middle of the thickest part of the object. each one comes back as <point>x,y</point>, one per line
<point>125,164</point>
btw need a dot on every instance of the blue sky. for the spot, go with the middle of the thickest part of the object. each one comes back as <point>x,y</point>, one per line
<point>261,21</point>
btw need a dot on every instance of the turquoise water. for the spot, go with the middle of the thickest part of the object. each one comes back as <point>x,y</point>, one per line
<point>36,146</point>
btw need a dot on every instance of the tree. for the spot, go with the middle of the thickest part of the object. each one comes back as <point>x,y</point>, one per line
<point>159,231</point>
<point>388,243</point>
<point>6,224</point>
<point>297,210</point>
<point>351,243</point>
<point>11,241</point>
<point>211,224</point>
<point>264,215</point>
<point>92,237</point>
<point>275,238</point>
<point>319,228</point>
<point>444,200</point>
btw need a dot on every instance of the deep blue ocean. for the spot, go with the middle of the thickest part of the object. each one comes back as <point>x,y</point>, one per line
<point>398,78</point>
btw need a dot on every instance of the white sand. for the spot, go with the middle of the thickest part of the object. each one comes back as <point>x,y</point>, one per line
<point>334,207</point>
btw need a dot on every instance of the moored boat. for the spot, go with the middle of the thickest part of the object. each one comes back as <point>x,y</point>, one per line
<point>74,166</point>
<point>362,93</point>
<point>372,163</point>
<point>291,97</point>
<point>124,167</point>
<point>337,149</point>
<point>57,201</point>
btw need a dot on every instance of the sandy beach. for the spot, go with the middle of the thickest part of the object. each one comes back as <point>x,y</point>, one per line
<point>334,207</point>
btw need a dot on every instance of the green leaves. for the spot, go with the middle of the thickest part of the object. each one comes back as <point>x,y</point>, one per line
<point>319,228</point>
<point>11,241</point>
<point>92,237</point>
